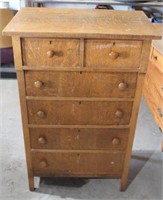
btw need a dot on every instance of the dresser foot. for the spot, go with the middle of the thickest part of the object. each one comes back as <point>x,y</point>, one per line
<point>162,144</point>
<point>123,185</point>
<point>31,183</point>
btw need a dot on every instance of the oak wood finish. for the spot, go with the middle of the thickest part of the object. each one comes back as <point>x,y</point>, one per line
<point>82,84</point>
<point>153,87</point>
<point>51,52</point>
<point>17,53</point>
<point>156,76</point>
<point>156,59</point>
<point>114,53</point>
<point>79,138</point>
<point>65,163</point>
<point>79,112</point>
<point>154,100</point>
<point>23,104</point>
<point>80,75</point>
<point>135,111</point>
<point>81,23</point>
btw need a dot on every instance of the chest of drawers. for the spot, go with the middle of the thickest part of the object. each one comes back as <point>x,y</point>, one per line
<point>80,75</point>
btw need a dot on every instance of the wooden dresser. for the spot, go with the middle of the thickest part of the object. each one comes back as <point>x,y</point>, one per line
<point>80,75</point>
<point>153,84</point>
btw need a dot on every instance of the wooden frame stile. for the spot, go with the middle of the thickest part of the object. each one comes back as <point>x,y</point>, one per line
<point>81,52</point>
<point>138,94</point>
<point>22,96</point>
<point>132,131</point>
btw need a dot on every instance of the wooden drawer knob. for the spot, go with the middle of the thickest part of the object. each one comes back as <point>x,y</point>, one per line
<point>43,164</point>
<point>41,114</point>
<point>119,114</point>
<point>155,58</point>
<point>38,84</point>
<point>116,141</point>
<point>42,140</point>
<point>50,53</point>
<point>113,55</point>
<point>122,86</point>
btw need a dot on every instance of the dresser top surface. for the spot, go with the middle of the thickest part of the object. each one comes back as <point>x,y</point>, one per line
<point>76,23</point>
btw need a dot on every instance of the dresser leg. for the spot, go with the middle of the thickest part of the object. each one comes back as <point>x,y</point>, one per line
<point>123,184</point>
<point>162,144</point>
<point>31,183</point>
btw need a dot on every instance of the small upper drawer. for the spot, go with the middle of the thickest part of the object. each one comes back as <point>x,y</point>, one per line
<point>157,59</point>
<point>110,53</point>
<point>80,84</point>
<point>51,52</point>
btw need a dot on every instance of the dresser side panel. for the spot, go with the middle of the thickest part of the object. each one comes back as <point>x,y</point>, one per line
<point>21,84</point>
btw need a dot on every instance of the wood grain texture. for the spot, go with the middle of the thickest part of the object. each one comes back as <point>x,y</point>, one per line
<point>80,75</point>
<point>145,56</point>
<point>78,138</point>
<point>156,76</point>
<point>157,59</point>
<point>154,100</point>
<point>77,126</point>
<point>158,45</point>
<point>134,116</point>
<point>78,69</point>
<point>21,83</point>
<point>81,23</point>
<point>80,84</point>
<point>77,163</point>
<point>17,53</point>
<point>65,52</point>
<point>99,53</point>
<point>79,112</point>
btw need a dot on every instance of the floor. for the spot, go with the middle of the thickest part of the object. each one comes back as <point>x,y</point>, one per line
<point>145,177</point>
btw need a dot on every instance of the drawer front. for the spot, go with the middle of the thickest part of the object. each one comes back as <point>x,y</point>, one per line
<point>107,53</point>
<point>79,112</point>
<point>78,138</point>
<point>154,100</point>
<point>80,84</point>
<point>51,52</point>
<point>77,163</point>
<point>157,59</point>
<point>156,76</point>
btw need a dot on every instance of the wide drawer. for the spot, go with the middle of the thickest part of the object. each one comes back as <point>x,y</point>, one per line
<point>154,100</point>
<point>110,53</point>
<point>51,52</point>
<point>156,76</point>
<point>79,112</point>
<point>61,163</point>
<point>78,138</point>
<point>80,84</point>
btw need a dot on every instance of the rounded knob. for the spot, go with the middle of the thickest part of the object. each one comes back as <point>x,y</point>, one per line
<point>38,84</point>
<point>50,53</point>
<point>122,86</point>
<point>116,141</point>
<point>41,114</point>
<point>119,114</point>
<point>113,54</point>
<point>42,140</point>
<point>155,57</point>
<point>43,164</point>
